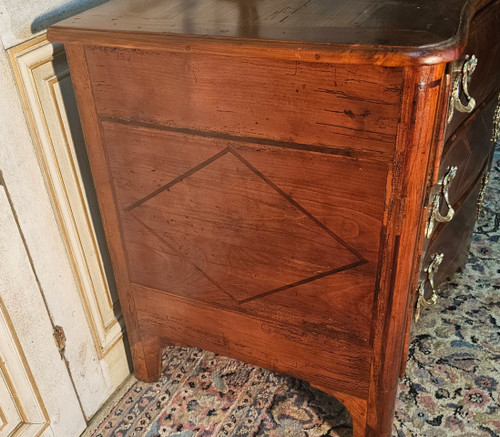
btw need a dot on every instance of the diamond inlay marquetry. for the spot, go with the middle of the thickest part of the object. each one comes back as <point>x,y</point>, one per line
<point>227,222</point>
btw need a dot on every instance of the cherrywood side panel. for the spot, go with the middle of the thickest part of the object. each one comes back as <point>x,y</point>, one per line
<point>379,424</point>
<point>143,349</point>
<point>266,231</point>
<point>272,345</point>
<point>323,105</point>
<point>322,183</point>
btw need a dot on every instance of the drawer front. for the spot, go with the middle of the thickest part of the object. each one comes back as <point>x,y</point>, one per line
<point>464,156</point>
<point>484,43</point>
<point>452,240</point>
<point>264,231</point>
<point>349,108</point>
<point>468,149</point>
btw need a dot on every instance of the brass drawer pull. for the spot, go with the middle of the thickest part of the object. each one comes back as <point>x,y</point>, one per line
<point>436,215</point>
<point>431,270</point>
<point>461,82</point>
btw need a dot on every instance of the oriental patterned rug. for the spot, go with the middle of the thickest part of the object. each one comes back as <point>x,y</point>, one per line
<point>451,386</point>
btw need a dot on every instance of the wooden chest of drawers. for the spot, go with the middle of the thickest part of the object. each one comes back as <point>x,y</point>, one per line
<point>275,178</point>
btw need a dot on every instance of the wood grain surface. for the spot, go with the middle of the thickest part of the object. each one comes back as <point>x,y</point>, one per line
<point>254,340</point>
<point>362,24</point>
<point>215,220</point>
<point>264,189</point>
<point>315,106</point>
<point>404,208</point>
<point>468,148</point>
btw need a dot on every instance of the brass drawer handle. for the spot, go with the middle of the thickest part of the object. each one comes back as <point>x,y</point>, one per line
<point>461,82</point>
<point>436,215</point>
<point>431,270</point>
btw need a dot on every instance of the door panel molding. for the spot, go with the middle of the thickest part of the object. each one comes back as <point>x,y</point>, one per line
<point>22,411</point>
<point>43,78</point>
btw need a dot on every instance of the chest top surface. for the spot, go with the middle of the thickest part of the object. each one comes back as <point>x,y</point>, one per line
<point>385,25</point>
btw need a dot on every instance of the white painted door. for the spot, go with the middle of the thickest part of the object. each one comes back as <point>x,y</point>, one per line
<point>56,247</point>
<point>44,81</point>
<point>36,393</point>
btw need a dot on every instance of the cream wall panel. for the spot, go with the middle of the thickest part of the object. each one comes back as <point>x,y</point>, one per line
<point>49,95</point>
<point>45,84</point>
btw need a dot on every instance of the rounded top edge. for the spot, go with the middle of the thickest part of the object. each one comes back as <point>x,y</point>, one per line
<point>376,35</point>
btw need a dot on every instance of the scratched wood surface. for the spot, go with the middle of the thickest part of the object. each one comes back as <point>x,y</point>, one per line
<point>264,188</point>
<point>323,105</point>
<point>215,221</point>
<point>367,22</point>
<point>277,231</point>
<point>264,342</point>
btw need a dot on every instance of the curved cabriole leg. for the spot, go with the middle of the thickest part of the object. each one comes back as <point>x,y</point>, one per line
<point>363,412</point>
<point>146,356</point>
<point>357,409</point>
<point>358,428</point>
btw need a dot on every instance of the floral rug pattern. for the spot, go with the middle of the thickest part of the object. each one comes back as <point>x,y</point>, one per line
<point>451,385</point>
